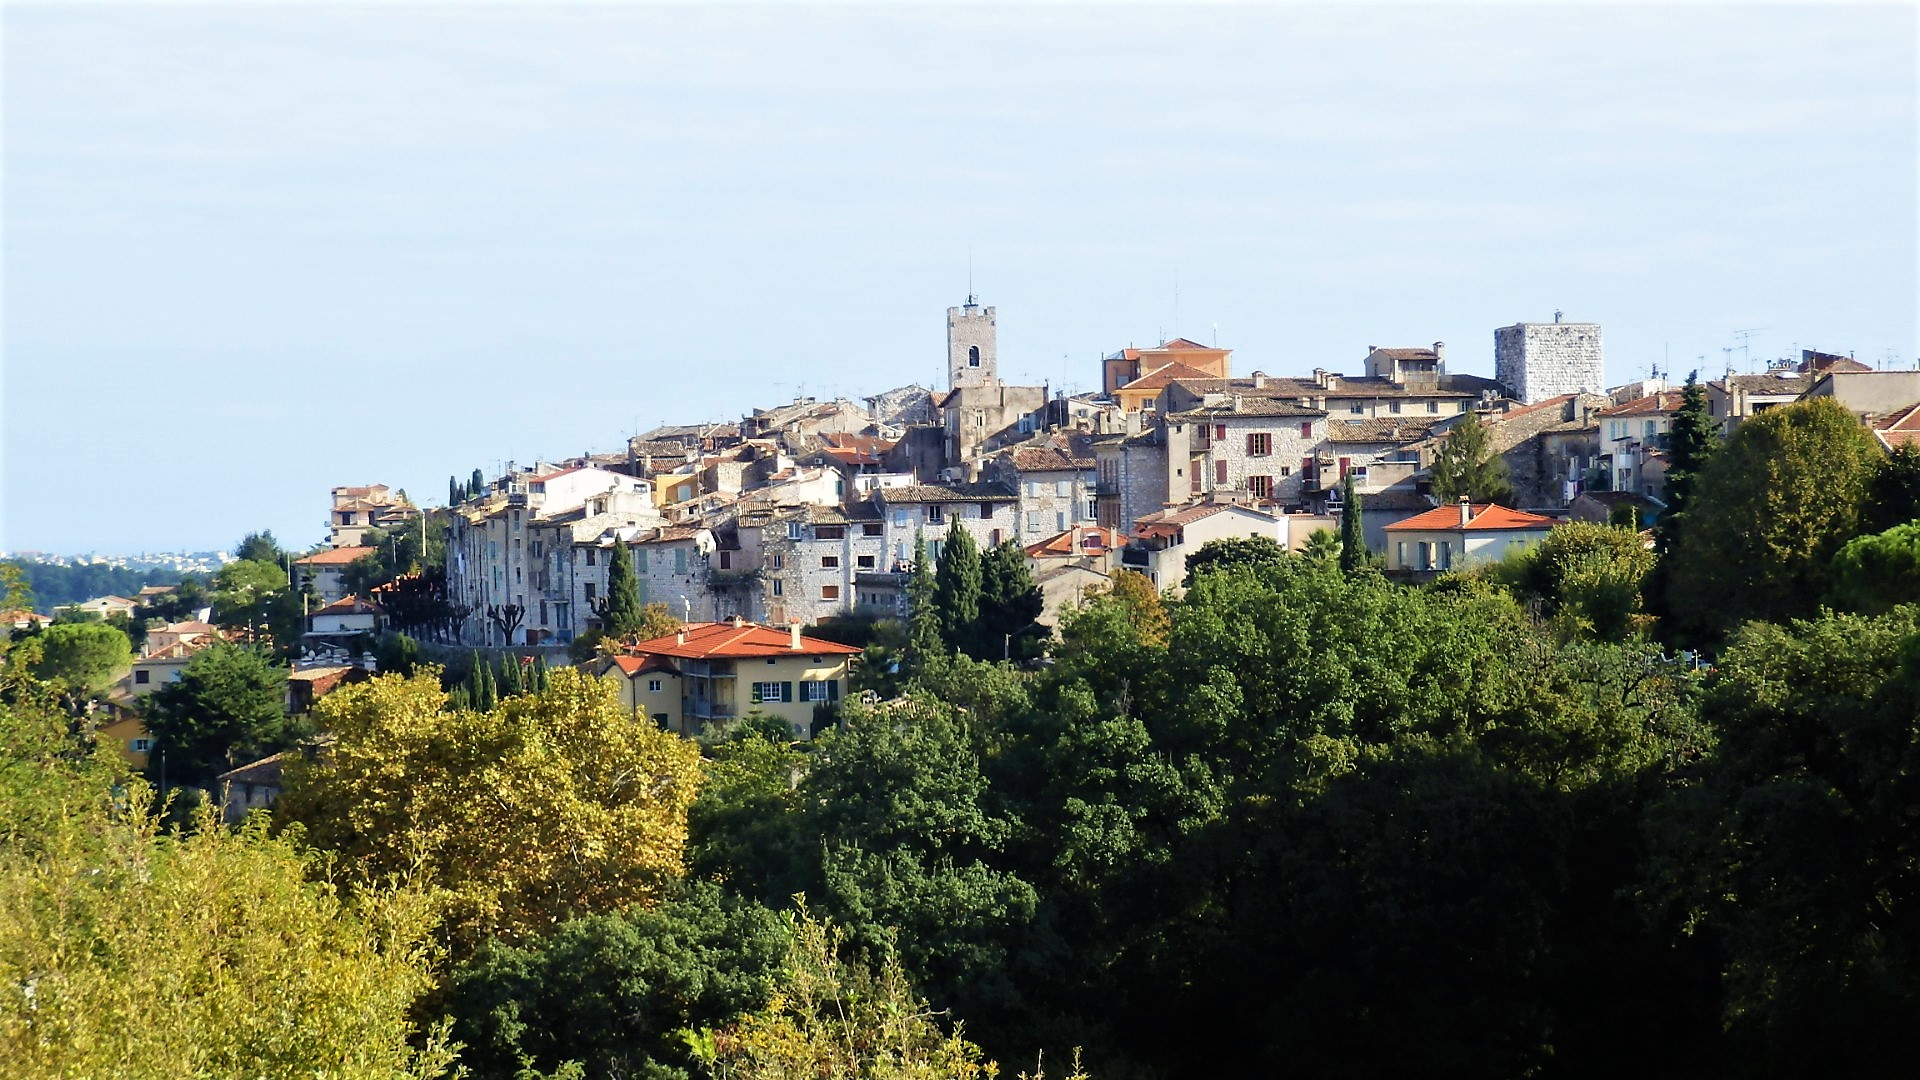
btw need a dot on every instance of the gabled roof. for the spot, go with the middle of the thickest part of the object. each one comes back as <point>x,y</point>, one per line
<point>339,556</point>
<point>639,665</point>
<point>1899,428</point>
<point>985,491</point>
<point>1249,406</point>
<point>1159,377</point>
<point>1171,520</point>
<point>1667,401</point>
<point>1482,517</point>
<point>265,771</point>
<point>1769,385</point>
<point>1409,354</point>
<point>1383,429</point>
<point>348,605</point>
<point>1186,343</point>
<point>1091,540</point>
<point>737,640</point>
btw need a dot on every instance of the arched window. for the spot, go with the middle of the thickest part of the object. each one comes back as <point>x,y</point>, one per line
<point>973,356</point>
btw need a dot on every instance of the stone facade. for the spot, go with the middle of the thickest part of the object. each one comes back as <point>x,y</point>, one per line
<point>972,356</point>
<point>1255,450</point>
<point>1536,361</point>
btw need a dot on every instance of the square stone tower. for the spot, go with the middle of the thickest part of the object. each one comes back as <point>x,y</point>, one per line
<point>972,358</point>
<point>1536,361</point>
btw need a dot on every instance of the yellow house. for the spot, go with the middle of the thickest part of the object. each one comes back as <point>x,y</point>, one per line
<point>716,671</point>
<point>128,734</point>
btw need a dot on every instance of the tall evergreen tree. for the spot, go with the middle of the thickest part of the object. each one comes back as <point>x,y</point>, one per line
<point>453,492</point>
<point>622,614</point>
<point>1009,604</point>
<point>1353,534</point>
<point>924,640</point>
<point>537,683</point>
<point>511,684</point>
<point>477,484</point>
<point>1466,465</point>
<point>1695,436</point>
<point>957,590</point>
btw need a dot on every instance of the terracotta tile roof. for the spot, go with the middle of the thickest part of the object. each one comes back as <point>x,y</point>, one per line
<point>1901,428</point>
<point>1249,406</point>
<point>985,491</point>
<point>1667,401</point>
<point>1813,362</point>
<point>1185,343</point>
<point>265,771</point>
<point>1770,385</point>
<point>1409,354</point>
<point>1173,519</point>
<point>640,665</point>
<point>1384,429</point>
<point>1048,459</point>
<point>174,650</point>
<point>347,605</point>
<point>317,675</point>
<point>339,556</point>
<point>1091,540</point>
<point>1482,517</point>
<point>190,628</point>
<point>1159,377</point>
<point>727,640</point>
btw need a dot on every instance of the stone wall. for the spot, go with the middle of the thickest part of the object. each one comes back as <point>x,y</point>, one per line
<point>1537,361</point>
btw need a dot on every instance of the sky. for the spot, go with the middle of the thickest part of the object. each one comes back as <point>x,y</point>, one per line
<point>254,252</point>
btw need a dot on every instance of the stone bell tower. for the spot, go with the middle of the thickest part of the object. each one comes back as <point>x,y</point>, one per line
<point>972,358</point>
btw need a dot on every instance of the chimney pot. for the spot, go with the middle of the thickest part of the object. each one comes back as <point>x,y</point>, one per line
<point>794,629</point>
<point>1466,511</point>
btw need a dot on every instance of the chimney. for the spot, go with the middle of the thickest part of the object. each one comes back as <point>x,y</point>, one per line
<point>1440,352</point>
<point>1466,511</point>
<point>973,471</point>
<point>680,636</point>
<point>794,629</point>
<point>1259,380</point>
<point>739,622</point>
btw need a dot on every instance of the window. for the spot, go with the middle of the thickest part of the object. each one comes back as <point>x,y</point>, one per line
<point>1260,487</point>
<point>1286,470</point>
<point>1220,432</point>
<point>1652,428</point>
<point>829,532</point>
<point>779,561</point>
<point>1060,521</point>
<point>827,690</point>
<point>639,560</point>
<point>538,548</point>
<point>653,686</point>
<point>726,560</point>
<point>769,692</point>
<point>1033,521</point>
<point>1393,407</point>
<point>1259,444</point>
<point>1063,489</point>
<point>589,556</point>
<point>590,592</point>
<point>679,560</point>
<point>871,528</point>
<point>140,746</point>
<point>793,530</point>
<point>863,562</point>
<point>900,517</point>
<point>829,592</point>
<point>829,562</point>
<point>1359,408</point>
<point>936,514</point>
<point>973,356</point>
<point>1092,509</point>
<point>140,677</point>
<point>1220,473</point>
<point>1306,430</point>
<point>779,587</point>
<point>1433,406</point>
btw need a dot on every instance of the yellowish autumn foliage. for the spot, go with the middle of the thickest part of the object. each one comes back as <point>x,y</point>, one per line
<point>551,805</point>
<point>126,951</point>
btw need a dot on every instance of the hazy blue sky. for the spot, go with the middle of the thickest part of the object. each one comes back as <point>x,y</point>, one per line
<point>252,252</point>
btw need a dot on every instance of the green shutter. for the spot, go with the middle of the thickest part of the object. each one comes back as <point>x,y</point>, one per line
<point>833,689</point>
<point>786,692</point>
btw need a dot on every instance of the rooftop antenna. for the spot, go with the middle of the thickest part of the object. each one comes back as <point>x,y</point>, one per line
<point>1726,354</point>
<point>970,296</point>
<point>1176,302</point>
<point>1746,345</point>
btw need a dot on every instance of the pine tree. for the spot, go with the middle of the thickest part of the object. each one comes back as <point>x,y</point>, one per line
<point>1009,604</point>
<point>924,641</point>
<point>1353,533</point>
<point>957,590</point>
<point>622,614</point>
<point>1466,465</point>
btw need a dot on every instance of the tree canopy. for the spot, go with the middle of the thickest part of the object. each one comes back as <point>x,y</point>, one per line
<point>227,707</point>
<point>1466,465</point>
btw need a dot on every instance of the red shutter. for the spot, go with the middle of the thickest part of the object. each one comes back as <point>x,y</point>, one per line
<point>1220,473</point>
<point>1220,431</point>
<point>1344,462</point>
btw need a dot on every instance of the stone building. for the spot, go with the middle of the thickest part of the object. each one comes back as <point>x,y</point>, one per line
<point>1536,361</point>
<point>1261,451</point>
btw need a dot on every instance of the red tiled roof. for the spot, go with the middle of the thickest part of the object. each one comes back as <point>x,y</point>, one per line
<point>726,640</point>
<point>1091,540</point>
<point>1667,401</point>
<point>1184,343</point>
<point>1159,377</point>
<point>348,605</point>
<point>1901,428</point>
<point>1482,517</point>
<point>639,665</point>
<point>1409,354</point>
<point>339,556</point>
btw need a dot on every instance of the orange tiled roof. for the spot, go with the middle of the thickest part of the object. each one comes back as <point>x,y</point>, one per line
<point>339,556</point>
<point>1667,401</point>
<point>1091,540</point>
<point>348,605</point>
<point>640,665</point>
<point>726,640</point>
<point>1481,517</point>
<point>1159,377</point>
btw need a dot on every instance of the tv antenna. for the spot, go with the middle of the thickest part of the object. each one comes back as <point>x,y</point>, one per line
<point>1746,345</point>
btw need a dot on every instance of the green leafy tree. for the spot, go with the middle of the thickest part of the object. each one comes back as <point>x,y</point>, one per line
<point>244,592</point>
<point>260,547</point>
<point>227,707</point>
<point>1353,533</point>
<point>621,615</point>
<point>926,639</point>
<point>613,993</point>
<point>82,659</point>
<point>1893,498</point>
<point>1767,515</point>
<point>1009,605</point>
<point>957,591</point>
<point>1874,574</point>
<point>1323,545</point>
<point>1256,553</point>
<point>134,951</point>
<point>15,593</point>
<point>1795,849</point>
<point>1466,465</point>
<point>1589,575</point>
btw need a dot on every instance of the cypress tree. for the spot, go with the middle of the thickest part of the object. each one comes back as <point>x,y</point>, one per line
<point>1688,448</point>
<point>923,616</point>
<point>957,590</point>
<point>622,615</point>
<point>510,681</point>
<point>1009,604</point>
<point>1353,535</point>
<point>477,484</point>
<point>538,682</point>
<point>453,492</point>
<point>489,694</point>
